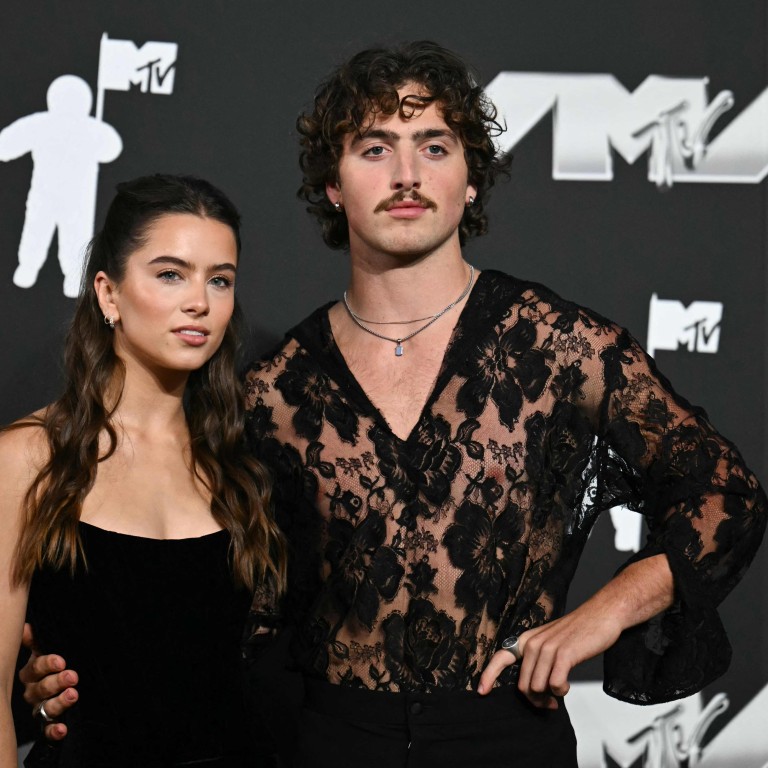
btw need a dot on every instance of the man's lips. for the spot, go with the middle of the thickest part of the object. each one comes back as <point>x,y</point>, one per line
<point>401,206</point>
<point>407,204</point>
<point>412,211</point>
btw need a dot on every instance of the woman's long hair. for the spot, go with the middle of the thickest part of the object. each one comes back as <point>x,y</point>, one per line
<point>76,423</point>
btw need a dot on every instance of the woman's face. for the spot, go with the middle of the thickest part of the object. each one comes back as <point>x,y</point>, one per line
<point>172,306</point>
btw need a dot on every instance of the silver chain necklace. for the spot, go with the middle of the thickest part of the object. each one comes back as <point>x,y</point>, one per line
<point>434,318</point>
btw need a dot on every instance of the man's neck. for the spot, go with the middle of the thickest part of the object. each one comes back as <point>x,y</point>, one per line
<point>389,289</point>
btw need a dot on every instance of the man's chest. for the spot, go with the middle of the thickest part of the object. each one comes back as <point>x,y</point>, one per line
<point>398,387</point>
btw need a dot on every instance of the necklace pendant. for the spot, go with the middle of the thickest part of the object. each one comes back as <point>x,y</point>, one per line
<point>361,323</point>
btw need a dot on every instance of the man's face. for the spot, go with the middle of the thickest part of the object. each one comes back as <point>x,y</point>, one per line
<point>403,184</point>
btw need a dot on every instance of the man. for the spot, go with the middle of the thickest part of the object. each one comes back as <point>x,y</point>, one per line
<point>442,442</point>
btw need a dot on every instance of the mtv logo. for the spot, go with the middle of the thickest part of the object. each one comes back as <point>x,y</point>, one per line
<point>668,118</point>
<point>614,734</point>
<point>672,324</point>
<point>122,63</point>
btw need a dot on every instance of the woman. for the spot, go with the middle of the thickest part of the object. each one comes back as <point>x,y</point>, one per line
<point>131,522</point>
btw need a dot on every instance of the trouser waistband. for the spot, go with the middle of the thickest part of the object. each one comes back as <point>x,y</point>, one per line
<point>383,707</point>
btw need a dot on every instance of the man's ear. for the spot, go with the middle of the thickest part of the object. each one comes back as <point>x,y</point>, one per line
<point>333,193</point>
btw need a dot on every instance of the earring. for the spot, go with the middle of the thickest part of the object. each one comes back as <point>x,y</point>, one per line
<point>470,202</point>
<point>338,206</point>
<point>110,321</point>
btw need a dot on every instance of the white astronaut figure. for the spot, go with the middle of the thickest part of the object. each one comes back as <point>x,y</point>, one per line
<point>67,145</point>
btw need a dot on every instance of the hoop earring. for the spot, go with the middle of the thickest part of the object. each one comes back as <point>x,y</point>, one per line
<point>110,321</point>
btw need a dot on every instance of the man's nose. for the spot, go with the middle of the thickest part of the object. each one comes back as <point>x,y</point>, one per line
<point>406,173</point>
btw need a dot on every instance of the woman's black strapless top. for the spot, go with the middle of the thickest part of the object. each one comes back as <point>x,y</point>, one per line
<point>153,629</point>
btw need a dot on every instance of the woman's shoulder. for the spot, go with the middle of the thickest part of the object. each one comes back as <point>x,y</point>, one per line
<point>24,448</point>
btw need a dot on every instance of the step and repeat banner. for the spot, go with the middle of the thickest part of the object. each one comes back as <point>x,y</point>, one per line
<point>640,140</point>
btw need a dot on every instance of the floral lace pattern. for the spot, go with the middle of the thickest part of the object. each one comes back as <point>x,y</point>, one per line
<point>412,559</point>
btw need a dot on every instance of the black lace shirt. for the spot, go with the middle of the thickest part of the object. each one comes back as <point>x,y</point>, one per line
<point>411,560</point>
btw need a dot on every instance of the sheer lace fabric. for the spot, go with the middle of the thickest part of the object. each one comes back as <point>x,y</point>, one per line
<point>413,559</point>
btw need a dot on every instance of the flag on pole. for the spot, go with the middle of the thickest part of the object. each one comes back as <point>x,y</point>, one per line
<point>122,64</point>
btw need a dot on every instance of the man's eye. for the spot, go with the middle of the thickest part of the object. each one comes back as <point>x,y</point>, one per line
<point>374,151</point>
<point>435,149</point>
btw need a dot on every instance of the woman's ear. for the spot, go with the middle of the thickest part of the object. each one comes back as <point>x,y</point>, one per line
<point>106,293</point>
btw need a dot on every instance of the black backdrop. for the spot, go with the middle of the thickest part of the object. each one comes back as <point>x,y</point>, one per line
<point>245,70</point>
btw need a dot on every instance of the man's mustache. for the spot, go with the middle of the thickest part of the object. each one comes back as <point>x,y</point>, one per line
<point>403,195</point>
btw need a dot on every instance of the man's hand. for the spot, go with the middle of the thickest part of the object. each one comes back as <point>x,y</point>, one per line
<point>47,680</point>
<point>550,652</point>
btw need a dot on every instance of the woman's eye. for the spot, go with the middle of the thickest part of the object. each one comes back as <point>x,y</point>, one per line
<point>169,275</point>
<point>222,281</point>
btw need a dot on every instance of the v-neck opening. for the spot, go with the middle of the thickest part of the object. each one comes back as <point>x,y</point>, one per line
<point>439,381</point>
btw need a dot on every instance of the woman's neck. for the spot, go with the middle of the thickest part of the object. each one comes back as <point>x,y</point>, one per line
<point>149,403</point>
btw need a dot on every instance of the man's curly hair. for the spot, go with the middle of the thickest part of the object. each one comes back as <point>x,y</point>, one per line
<point>365,86</point>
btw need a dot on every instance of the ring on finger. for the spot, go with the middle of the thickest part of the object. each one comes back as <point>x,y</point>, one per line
<point>39,711</point>
<point>512,644</point>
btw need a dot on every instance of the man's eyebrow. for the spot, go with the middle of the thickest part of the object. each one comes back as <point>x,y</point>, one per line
<point>416,136</point>
<point>183,264</point>
<point>375,133</point>
<point>434,133</point>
